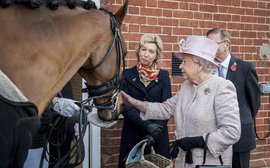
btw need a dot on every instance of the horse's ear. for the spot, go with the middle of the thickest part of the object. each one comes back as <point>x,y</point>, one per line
<point>121,13</point>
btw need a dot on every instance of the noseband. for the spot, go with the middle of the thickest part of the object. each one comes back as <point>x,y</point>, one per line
<point>102,90</point>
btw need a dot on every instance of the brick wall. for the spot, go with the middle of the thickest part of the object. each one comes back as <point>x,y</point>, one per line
<point>248,22</point>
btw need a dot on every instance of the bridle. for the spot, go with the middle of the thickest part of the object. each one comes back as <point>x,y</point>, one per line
<point>102,90</point>
<point>110,89</point>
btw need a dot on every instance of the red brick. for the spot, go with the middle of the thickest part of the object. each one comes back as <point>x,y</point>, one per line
<point>168,4</point>
<point>167,30</point>
<point>170,39</point>
<point>208,16</point>
<point>167,13</point>
<point>259,12</point>
<point>236,18</point>
<point>261,20</point>
<point>208,8</point>
<point>167,22</point>
<point>151,12</point>
<point>152,20</point>
<point>257,163</point>
<point>150,29</point>
<point>184,5</point>
<point>198,32</point>
<point>182,31</point>
<point>134,28</point>
<point>236,3</point>
<point>152,3</point>
<point>198,16</point>
<point>198,1</point>
<point>222,17</point>
<point>248,34</point>
<point>193,23</point>
<point>135,19</point>
<point>249,4</point>
<point>119,1</point>
<point>194,7</point>
<point>183,14</point>
<point>167,47</point>
<point>239,11</point>
<point>249,12</point>
<point>133,10</point>
<point>262,5</point>
<point>248,42</point>
<point>137,3</point>
<point>234,26</point>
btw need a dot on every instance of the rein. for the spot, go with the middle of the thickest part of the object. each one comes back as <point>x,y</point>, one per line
<point>101,91</point>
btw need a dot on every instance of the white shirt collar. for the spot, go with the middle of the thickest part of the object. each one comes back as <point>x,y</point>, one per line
<point>226,62</point>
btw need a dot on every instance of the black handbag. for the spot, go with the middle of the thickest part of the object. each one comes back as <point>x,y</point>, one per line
<point>204,158</point>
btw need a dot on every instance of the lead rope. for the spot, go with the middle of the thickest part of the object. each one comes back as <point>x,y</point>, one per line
<point>77,151</point>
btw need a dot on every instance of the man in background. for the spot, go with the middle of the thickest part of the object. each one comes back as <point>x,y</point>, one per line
<point>243,76</point>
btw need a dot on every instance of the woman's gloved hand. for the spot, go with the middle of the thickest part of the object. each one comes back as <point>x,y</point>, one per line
<point>65,107</point>
<point>154,129</point>
<point>173,149</point>
<point>150,140</point>
<point>189,143</point>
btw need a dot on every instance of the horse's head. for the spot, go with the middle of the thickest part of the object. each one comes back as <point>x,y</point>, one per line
<point>102,70</point>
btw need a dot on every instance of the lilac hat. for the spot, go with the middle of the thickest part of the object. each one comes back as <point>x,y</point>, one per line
<point>199,46</point>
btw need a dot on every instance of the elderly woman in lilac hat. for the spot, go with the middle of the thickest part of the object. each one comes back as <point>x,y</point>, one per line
<point>205,106</point>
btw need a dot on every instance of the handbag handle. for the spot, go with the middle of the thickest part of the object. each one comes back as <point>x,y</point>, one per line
<point>143,148</point>
<point>205,149</point>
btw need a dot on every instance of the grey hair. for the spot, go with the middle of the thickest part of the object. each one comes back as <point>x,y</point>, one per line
<point>151,38</point>
<point>208,66</point>
<point>224,34</point>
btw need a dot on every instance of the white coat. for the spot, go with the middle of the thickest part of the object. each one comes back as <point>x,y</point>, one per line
<point>210,107</point>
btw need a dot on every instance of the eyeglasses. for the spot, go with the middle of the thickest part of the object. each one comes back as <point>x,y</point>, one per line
<point>220,42</point>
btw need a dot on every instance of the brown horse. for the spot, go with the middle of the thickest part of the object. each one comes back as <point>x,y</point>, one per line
<point>41,49</point>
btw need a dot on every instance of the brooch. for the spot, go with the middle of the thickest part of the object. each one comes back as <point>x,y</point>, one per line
<point>207,91</point>
<point>233,67</point>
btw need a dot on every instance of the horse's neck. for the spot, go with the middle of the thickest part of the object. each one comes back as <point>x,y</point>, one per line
<point>41,58</point>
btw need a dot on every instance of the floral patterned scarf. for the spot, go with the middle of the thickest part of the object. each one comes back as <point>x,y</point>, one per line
<point>147,75</point>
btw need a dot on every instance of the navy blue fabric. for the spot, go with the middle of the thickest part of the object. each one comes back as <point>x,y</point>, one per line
<point>19,122</point>
<point>246,83</point>
<point>134,128</point>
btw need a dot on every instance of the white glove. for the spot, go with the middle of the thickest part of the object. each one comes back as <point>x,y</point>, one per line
<point>65,107</point>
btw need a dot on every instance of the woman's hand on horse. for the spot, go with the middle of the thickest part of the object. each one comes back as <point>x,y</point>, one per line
<point>65,107</point>
<point>130,101</point>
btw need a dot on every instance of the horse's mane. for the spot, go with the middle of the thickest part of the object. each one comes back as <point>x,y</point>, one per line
<point>52,4</point>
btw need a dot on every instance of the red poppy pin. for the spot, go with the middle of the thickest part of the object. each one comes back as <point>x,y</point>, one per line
<point>233,67</point>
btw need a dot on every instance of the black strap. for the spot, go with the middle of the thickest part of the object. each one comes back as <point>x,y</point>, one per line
<point>205,149</point>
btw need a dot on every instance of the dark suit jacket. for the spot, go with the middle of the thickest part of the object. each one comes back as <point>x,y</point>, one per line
<point>134,128</point>
<point>245,80</point>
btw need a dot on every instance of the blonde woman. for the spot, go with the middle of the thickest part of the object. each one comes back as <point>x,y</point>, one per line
<point>145,81</point>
